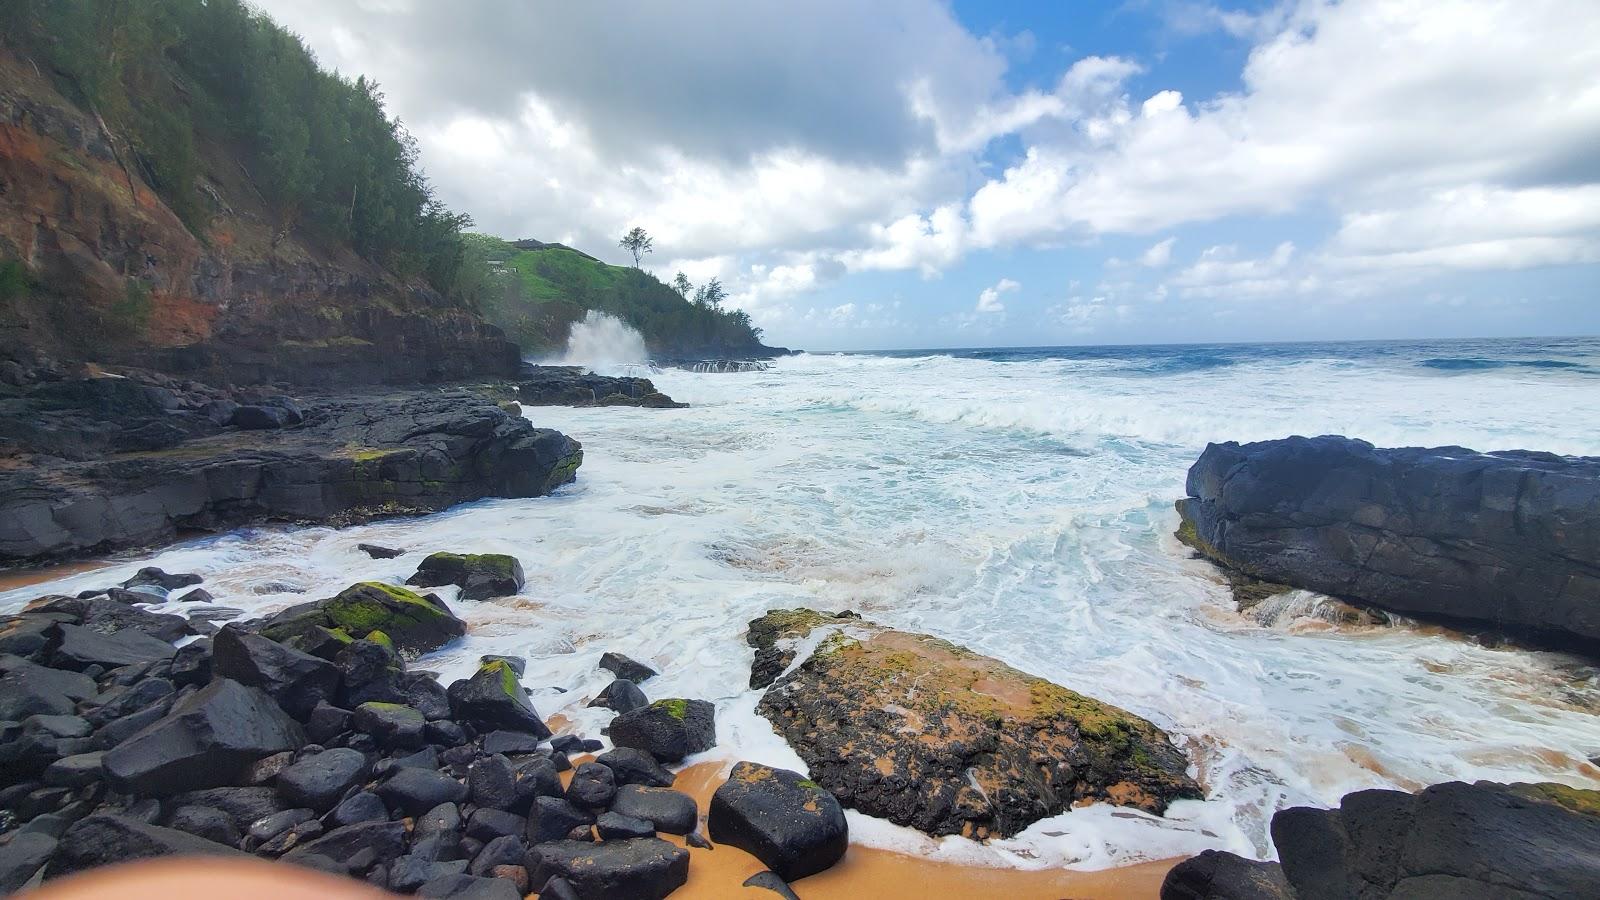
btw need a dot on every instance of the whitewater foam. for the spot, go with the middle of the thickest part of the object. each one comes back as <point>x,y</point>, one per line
<point>1022,508</point>
<point>601,342</point>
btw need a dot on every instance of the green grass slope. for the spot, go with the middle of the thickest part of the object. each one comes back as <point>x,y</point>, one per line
<point>536,295</point>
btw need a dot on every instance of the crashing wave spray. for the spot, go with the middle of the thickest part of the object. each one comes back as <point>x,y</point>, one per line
<point>604,340</point>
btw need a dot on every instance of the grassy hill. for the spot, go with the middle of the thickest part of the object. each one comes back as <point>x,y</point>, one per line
<point>536,294</point>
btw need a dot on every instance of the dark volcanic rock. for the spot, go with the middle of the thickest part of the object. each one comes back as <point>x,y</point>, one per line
<point>108,616</point>
<point>481,576</point>
<point>468,887</point>
<point>493,698</point>
<point>614,826</point>
<point>631,766</point>
<point>1450,840</point>
<point>622,696</point>
<point>298,681</point>
<point>669,730</point>
<point>169,581</point>
<point>671,811</point>
<point>386,839</point>
<point>1217,875</point>
<point>774,636</point>
<point>246,805</point>
<point>1501,541</point>
<point>393,725</point>
<point>207,740</point>
<point>415,622</point>
<point>986,762</point>
<point>206,822</point>
<point>415,791</point>
<point>321,779</point>
<point>493,782</point>
<point>353,459</point>
<point>510,742</point>
<point>486,824</point>
<point>592,786</point>
<point>101,840</point>
<point>362,806</point>
<point>552,819</point>
<point>28,689</point>
<point>80,647</point>
<point>626,668</point>
<point>572,386</point>
<point>379,552</point>
<point>24,855</point>
<point>783,819</point>
<point>637,869</point>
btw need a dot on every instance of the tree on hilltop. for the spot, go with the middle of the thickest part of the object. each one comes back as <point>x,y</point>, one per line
<point>710,295</point>
<point>638,242</point>
<point>682,286</point>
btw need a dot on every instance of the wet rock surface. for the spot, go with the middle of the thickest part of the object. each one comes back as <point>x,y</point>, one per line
<point>572,386</point>
<point>668,730</point>
<point>997,749</point>
<point>782,818</point>
<point>633,869</point>
<point>406,619</point>
<point>1447,841</point>
<point>1504,542</point>
<point>74,481</point>
<point>481,576</point>
<point>1218,875</point>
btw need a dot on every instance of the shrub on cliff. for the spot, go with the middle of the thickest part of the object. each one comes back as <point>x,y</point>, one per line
<point>169,76</point>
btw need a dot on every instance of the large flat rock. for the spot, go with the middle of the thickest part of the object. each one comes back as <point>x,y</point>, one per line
<point>1505,542</point>
<point>352,459</point>
<point>924,733</point>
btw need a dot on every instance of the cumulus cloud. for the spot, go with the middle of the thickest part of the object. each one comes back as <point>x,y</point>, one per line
<point>806,143</point>
<point>1159,255</point>
<point>989,297</point>
<point>1341,102</point>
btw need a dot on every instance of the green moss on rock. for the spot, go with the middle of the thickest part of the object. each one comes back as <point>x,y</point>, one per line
<point>676,708</point>
<point>402,618</point>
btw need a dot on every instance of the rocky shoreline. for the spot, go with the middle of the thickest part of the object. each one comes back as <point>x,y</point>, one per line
<point>307,738</point>
<point>102,462</point>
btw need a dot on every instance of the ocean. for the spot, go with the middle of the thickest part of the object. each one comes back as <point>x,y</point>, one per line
<point>1019,502</point>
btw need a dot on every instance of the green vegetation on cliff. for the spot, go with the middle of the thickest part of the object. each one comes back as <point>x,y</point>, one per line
<point>171,77</point>
<point>536,295</point>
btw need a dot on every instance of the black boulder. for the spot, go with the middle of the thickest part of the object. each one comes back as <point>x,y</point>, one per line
<point>788,822</point>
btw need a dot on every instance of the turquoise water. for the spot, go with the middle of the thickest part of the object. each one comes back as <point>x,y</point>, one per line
<point>1019,502</point>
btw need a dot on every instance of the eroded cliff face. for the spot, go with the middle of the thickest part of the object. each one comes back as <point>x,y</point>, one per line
<point>118,277</point>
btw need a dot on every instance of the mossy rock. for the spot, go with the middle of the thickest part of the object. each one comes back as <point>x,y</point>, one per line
<point>982,730</point>
<point>668,730</point>
<point>493,698</point>
<point>481,576</point>
<point>407,620</point>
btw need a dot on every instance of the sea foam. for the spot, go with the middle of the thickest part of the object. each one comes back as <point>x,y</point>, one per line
<point>1022,507</point>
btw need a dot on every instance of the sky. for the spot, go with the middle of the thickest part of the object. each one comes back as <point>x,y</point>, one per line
<point>921,173</point>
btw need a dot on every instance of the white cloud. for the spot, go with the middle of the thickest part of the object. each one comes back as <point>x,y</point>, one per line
<point>1345,101</point>
<point>1476,227</point>
<point>837,137</point>
<point>989,298</point>
<point>1159,256</point>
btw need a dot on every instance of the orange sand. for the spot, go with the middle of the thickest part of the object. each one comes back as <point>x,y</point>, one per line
<point>20,578</point>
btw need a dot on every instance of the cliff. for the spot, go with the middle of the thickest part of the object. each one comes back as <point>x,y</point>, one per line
<point>541,289</point>
<point>102,269</point>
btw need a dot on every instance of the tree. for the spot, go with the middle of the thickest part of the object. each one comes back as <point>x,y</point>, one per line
<point>682,286</point>
<point>711,295</point>
<point>637,242</point>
